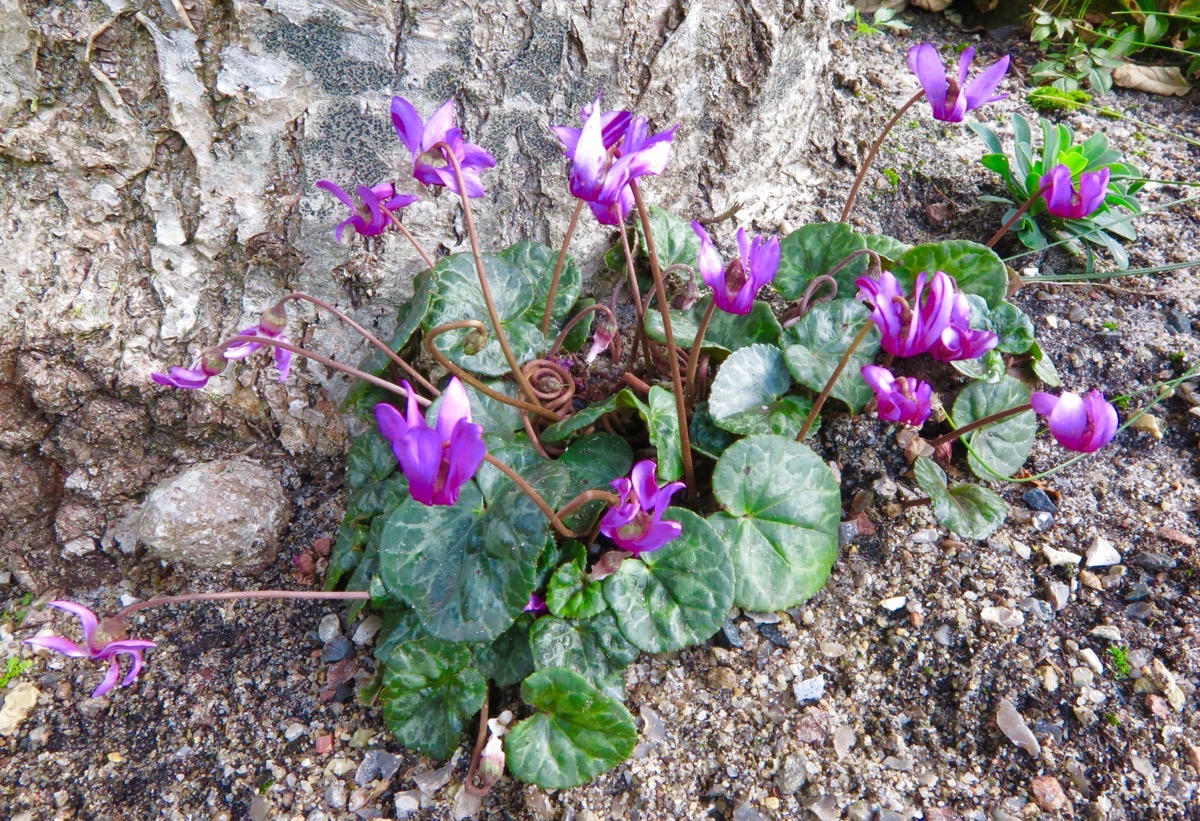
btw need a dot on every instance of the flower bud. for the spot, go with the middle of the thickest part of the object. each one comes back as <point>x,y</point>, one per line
<point>274,321</point>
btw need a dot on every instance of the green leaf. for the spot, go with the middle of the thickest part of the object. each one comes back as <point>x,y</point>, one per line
<point>467,571</point>
<point>706,436</point>
<point>571,594</point>
<point>399,627</point>
<point>509,658</point>
<point>887,247</point>
<point>1013,327</point>
<point>1043,367</point>
<point>976,268</point>
<point>1003,446</point>
<point>813,347</point>
<point>459,297</point>
<point>429,695</point>
<point>677,595</point>
<point>726,332</point>
<point>578,336</point>
<point>986,368</point>
<point>748,394</point>
<point>514,450</point>
<point>971,511</point>
<point>674,239</point>
<point>814,250</point>
<point>495,416</point>
<point>782,506</point>
<point>593,462</point>
<point>662,421</point>
<point>561,431</point>
<point>594,648</point>
<point>577,733</point>
<point>537,262</point>
<point>370,460</point>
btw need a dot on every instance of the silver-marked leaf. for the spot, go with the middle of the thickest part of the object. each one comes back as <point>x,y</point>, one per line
<point>887,247</point>
<point>1002,446</point>
<point>782,506</point>
<point>592,647</point>
<point>458,296</point>
<point>577,733</point>
<point>815,345</point>
<point>1013,327</point>
<point>726,332</point>
<point>986,368</point>
<point>594,462</point>
<point>677,595</point>
<point>429,694</point>
<point>571,593</point>
<point>662,421</point>
<point>467,571</point>
<point>971,511</point>
<point>537,263</point>
<point>565,429</point>
<point>509,658</point>
<point>816,249</point>
<point>748,394</point>
<point>707,438</point>
<point>976,268</point>
<point>674,239</point>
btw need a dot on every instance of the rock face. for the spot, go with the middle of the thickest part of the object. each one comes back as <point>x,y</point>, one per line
<point>216,514</point>
<point>158,171</point>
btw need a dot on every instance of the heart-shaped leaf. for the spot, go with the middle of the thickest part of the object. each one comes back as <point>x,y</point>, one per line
<point>677,595</point>
<point>748,394</point>
<point>593,647</point>
<point>429,694</point>
<point>976,268</point>
<point>887,247</point>
<point>986,368</point>
<point>536,262</point>
<point>662,420</point>
<point>465,569</point>
<point>971,511</point>
<point>814,250</point>
<point>726,332</point>
<point>561,431</point>
<point>782,505</point>
<point>706,436</point>
<point>674,239</point>
<point>458,296</point>
<point>815,345</point>
<point>571,593</point>
<point>1013,327</point>
<point>1002,446</point>
<point>577,733</point>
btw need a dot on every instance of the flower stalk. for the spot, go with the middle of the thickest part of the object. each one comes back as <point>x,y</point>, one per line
<point>1020,212</point>
<point>862,172</point>
<point>694,353</point>
<point>991,418</point>
<point>837,372</point>
<point>689,472</point>
<point>548,314</point>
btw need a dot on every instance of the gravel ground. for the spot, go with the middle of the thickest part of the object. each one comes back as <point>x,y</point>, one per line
<point>245,712</point>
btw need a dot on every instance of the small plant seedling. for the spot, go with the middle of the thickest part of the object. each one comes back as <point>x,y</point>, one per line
<point>1112,325</point>
<point>13,668</point>
<point>1119,656</point>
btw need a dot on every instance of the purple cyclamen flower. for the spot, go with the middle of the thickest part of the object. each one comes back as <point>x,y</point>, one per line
<point>209,364</point>
<point>430,164</point>
<point>1082,423</point>
<point>368,218</point>
<point>1065,201</point>
<point>904,332</point>
<point>901,399</point>
<point>960,340</point>
<point>437,461</point>
<point>271,325</point>
<point>952,97</point>
<point>103,641</point>
<point>537,605</point>
<point>734,287</point>
<point>611,150</point>
<point>636,524</point>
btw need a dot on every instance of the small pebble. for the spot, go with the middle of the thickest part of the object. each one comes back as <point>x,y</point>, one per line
<point>1048,793</point>
<point>294,731</point>
<point>1154,562</point>
<point>894,603</point>
<point>336,649</point>
<point>794,773</point>
<point>367,630</point>
<point>1082,676</point>
<point>329,627</point>
<point>1090,580</point>
<point>927,536</point>
<point>1107,632</point>
<point>1138,592</point>
<point>1148,423</point>
<point>771,633</point>
<point>1102,553</point>
<point>1139,610</point>
<point>810,689</point>
<point>944,635</point>
<point>1013,725</point>
<point>843,740</point>
<point>1061,558</point>
<point>1042,520</point>
<point>1003,616</point>
<point>1057,594</point>
<point>1039,500</point>
<point>731,633</point>
<point>1049,678</point>
<point>377,765</point>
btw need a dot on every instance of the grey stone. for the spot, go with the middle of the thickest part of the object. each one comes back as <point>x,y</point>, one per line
<point>1043,520</point>
<point>1039,500</point>
<point>377,765</point>
<point>216,514</point>
<point>1138,592</point>
<point>336,649</point>
<point>1154,562</point>
<point>793,774</point>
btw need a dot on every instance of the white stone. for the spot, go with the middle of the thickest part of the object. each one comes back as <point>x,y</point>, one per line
<point>1013,725</point>
<point>843,740</point>
<point>1091,660</point>
<point>19,699</point>
<point>1003,616</point>
<point>1102,553</point>
<point>809,689</point>
<point>367,630</point>
<point>1061,558</point>
<point>894,603</point>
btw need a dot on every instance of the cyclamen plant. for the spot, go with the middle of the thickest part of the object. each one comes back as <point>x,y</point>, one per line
<point>500,524</point>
